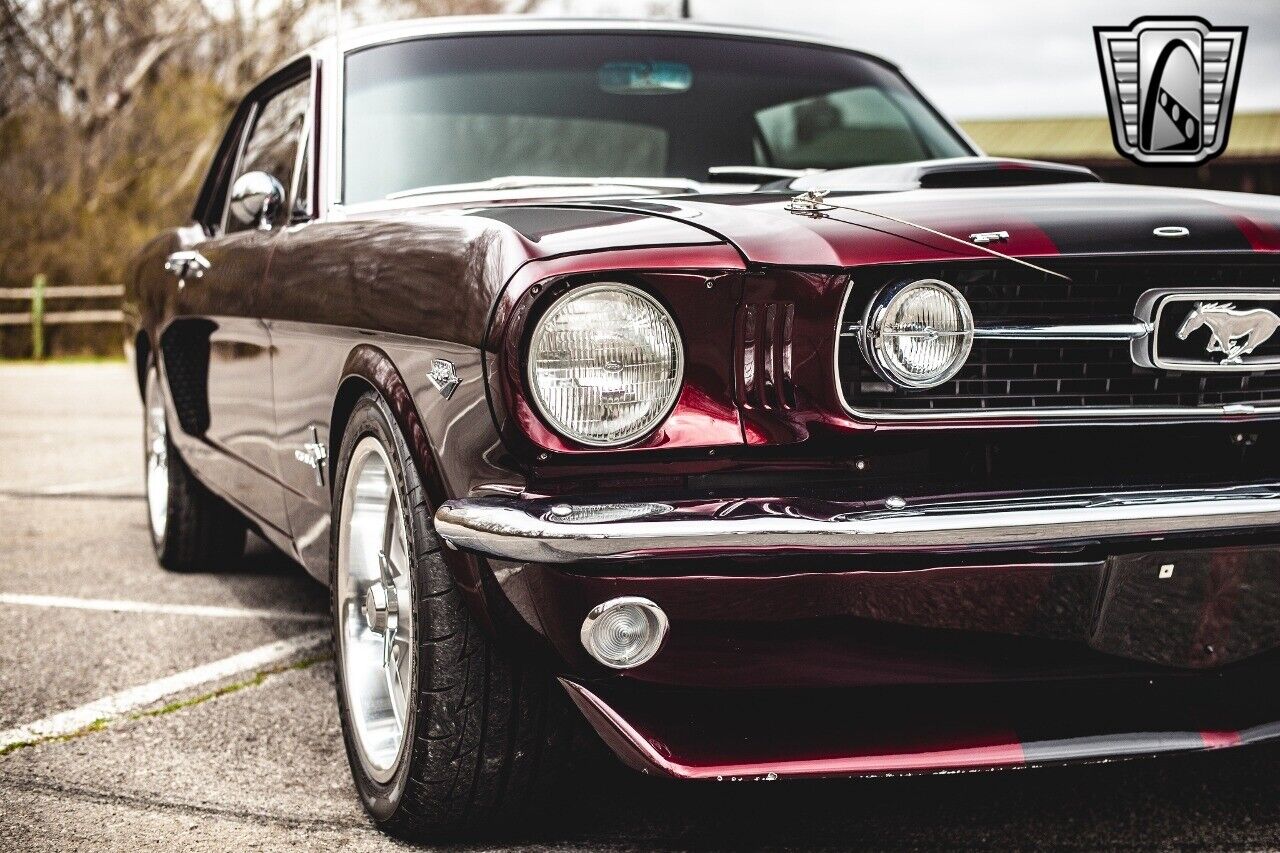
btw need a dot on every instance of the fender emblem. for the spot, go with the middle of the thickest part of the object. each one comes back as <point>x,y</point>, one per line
<point>983,237</point>
<point>1171,231</point>
<point>313,454</point>
<point>442,376</point>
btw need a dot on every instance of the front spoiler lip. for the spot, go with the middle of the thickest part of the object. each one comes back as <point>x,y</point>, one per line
<point>560,531</point>
<point>651,757</point>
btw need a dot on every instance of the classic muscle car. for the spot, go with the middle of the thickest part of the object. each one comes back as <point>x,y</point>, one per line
<point>709,382</point>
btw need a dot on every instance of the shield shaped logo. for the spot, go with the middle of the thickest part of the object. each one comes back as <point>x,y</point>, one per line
<point>1171,86</point>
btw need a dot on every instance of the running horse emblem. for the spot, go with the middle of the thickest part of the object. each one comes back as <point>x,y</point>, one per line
<point>1233,332</point>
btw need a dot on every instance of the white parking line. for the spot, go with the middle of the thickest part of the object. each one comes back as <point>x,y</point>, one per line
<point>117,606</point>
<point>89,486</point>
<point>119,704</point>
<point>94,485</point>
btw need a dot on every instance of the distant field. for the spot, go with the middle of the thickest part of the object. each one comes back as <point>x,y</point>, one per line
<point>67,359</point>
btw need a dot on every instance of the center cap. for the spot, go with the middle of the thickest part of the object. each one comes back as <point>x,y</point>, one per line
<point>377,604</point>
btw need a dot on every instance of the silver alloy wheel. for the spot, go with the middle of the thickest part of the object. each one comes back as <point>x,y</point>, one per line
<point>156,443</point>
<point>376,647</point>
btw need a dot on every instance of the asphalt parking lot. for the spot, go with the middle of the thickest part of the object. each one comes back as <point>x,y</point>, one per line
<point>142,710</point>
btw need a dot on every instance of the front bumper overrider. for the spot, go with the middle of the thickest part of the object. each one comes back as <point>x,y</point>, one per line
<point>569,531</point>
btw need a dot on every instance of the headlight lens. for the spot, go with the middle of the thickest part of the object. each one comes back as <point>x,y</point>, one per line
<point>624,632</point>
<point>919,334</point>
<point>605,364</point>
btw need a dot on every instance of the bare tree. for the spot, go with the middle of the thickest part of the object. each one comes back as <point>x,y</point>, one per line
<point>110,109</point>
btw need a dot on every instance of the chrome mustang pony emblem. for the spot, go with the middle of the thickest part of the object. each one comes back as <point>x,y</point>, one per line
<point>1232,332</point>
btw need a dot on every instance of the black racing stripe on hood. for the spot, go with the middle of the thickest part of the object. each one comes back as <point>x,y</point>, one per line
<point>1209,230</point>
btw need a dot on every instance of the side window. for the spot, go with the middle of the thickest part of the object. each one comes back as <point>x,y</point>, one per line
<point>212,199</point>
<point>275,139</point>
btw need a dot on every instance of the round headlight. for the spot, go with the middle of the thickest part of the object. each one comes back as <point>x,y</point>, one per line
<point>918,334</point>
<point>605,364</point>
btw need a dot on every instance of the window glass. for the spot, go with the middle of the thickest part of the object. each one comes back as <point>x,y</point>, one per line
<point>864,125</point>
<point>272,146</point>
<point>439,111</point>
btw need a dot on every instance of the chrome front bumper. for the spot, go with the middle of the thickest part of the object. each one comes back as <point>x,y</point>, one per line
<point>566,531</point>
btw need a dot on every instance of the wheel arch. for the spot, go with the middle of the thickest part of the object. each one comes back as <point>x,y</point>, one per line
<point>369,368</point>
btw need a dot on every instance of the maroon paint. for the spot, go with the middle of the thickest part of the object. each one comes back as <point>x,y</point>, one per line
<point>799,740</point>
<point>704,414</point>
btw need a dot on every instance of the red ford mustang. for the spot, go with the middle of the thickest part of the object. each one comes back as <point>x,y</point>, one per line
<point>710,382</point>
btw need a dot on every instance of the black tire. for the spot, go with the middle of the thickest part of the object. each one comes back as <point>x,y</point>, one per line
<point>200,532</point>
<point>485,738</point>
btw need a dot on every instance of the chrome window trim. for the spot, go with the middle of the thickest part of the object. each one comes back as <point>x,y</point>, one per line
<point>1078,415</point>
<point>245,131</point>
<point>305,154</point>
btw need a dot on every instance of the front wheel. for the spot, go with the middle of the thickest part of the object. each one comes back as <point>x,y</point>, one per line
<point>192,529</point>
<point>445,735</point>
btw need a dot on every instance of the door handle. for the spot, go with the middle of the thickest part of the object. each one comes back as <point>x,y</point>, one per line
<point>185,264</point>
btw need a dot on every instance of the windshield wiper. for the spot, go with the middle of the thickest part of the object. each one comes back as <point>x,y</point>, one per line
<point>766,173</point>
<point>520,182</point>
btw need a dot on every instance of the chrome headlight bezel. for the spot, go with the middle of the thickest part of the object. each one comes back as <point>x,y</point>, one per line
<point>657,414</point>
<point>875,336</point>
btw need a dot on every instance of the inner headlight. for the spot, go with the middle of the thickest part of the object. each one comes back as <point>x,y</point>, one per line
<point>605,364</point>
<point>917,334</point>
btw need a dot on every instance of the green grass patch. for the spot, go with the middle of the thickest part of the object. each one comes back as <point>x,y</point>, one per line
<point>96,726</point>
<point>258,678</point>
<point>180,704</point>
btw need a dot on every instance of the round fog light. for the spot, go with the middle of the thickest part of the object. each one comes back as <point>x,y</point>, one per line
<point>624,632</point>
<point>917,334</point>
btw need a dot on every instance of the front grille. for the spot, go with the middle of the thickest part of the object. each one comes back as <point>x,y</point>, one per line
<point>1004,375</point>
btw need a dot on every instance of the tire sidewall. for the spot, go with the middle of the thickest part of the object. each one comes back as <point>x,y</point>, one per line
<point>372,417</point>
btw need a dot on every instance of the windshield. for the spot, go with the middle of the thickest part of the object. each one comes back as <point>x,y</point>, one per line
<point>465,109</point>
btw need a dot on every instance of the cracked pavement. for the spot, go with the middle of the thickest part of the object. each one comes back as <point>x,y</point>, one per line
<point>261,766</point>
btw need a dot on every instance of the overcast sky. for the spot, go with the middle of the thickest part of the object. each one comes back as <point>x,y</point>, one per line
<point>991,59</point>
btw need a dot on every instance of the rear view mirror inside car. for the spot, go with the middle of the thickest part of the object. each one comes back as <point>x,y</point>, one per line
<point>645,78</point>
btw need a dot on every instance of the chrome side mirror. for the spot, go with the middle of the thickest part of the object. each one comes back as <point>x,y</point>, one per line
<point>255,198</point>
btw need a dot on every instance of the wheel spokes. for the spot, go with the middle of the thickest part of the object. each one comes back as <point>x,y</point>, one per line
<point>375,582</point>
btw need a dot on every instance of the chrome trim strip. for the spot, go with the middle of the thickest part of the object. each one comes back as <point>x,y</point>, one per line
<point>1065,332</point>
<point>527,531</point>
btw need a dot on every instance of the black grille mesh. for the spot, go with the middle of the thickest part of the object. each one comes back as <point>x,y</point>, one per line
<point>1003,374</point>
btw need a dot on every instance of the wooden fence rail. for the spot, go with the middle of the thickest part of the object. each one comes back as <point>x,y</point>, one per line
<point>69,291</point>
<point>38,318</point>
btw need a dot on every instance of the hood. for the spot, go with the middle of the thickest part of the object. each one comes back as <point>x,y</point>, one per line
<point>1082,217</point>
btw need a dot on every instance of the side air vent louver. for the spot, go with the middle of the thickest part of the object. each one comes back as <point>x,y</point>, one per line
<point>763,346</point>
<point>185,348</point>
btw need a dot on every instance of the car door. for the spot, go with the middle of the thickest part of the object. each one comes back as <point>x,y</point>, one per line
<point>218,326</point>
